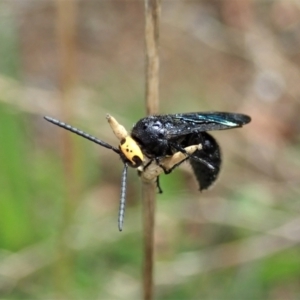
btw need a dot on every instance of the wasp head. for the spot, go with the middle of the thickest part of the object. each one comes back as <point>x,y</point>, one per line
<point>131,151</point>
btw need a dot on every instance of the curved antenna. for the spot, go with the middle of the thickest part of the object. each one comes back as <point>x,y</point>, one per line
<point>81,133</point>
<point>122,198</point>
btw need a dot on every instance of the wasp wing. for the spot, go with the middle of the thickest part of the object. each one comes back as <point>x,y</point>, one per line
<point>187,123</point>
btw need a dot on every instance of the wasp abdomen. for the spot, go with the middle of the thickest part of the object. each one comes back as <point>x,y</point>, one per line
<point>210,153</point>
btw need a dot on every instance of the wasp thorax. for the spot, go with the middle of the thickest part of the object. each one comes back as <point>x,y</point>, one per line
<point>132,151</point>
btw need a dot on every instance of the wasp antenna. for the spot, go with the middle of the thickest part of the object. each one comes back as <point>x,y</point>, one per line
<point>81,133</point>
<point>122,198</point>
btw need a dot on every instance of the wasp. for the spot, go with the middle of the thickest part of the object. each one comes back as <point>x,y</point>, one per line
<point>157,137</point>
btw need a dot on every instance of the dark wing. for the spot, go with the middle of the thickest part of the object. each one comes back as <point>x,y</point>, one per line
<point>204,121</point>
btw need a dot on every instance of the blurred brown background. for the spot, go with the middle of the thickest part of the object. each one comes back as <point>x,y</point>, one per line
<point>77,61</point>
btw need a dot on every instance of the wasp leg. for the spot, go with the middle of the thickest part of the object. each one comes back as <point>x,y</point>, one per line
<point>191,156</point>
<point>147,164</point>
<point>157,160</point>
<point>155,166</point>
<point>168,171</point>
<point>176,165</point>
<point>158,185</point>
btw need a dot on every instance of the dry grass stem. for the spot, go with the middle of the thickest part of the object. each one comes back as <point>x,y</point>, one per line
<point>152,16</point>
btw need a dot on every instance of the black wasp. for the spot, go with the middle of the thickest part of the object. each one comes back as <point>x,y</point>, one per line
<point>159,136</point>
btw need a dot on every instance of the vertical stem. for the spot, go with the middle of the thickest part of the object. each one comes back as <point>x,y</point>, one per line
<point>152,14</point>
<point>66,32</point>
<point>149,197</point>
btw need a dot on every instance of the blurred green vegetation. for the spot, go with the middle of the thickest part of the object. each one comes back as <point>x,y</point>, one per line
<point>239,240</point>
